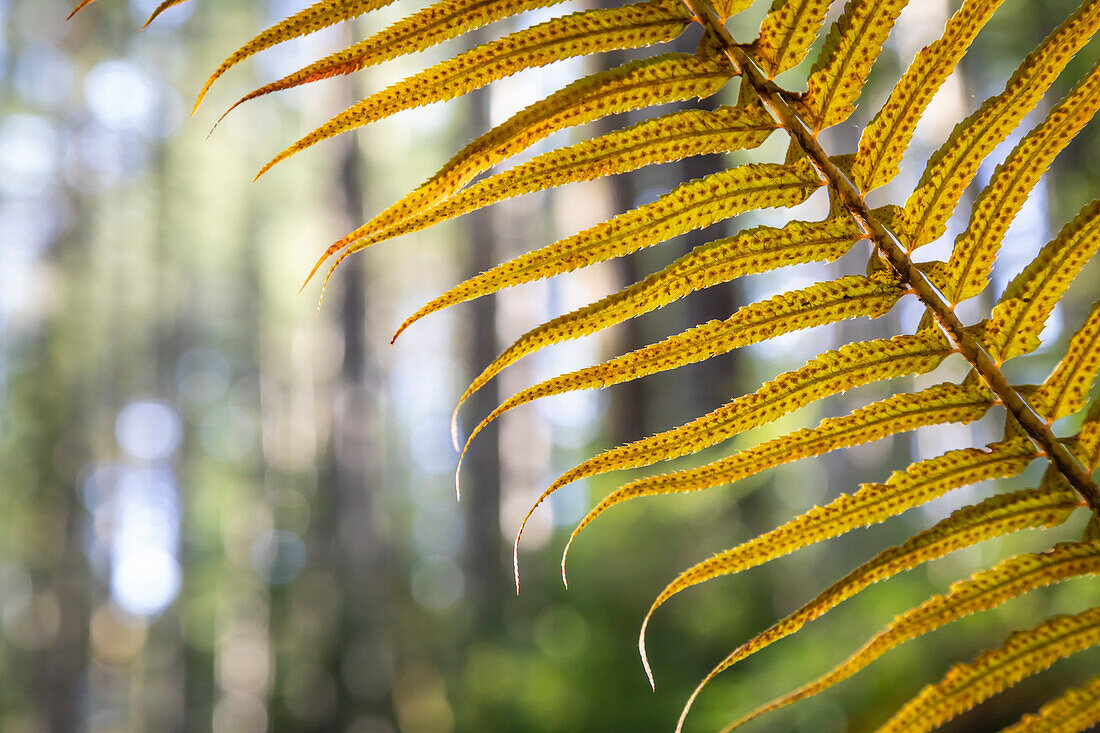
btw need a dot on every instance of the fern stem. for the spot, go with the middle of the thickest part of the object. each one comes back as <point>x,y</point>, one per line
<point>774,98</point>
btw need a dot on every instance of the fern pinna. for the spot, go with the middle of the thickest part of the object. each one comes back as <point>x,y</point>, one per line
<point>894,272</point>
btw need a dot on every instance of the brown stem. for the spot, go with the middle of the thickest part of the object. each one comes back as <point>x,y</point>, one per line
<point>775,100</point>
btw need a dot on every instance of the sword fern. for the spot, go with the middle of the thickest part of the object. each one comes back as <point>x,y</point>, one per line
<point>826,98</point>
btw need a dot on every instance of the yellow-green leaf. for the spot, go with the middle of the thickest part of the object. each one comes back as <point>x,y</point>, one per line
<point>953,166</point>
<point>832,372</point>
<point>1023,654</point>
<point>943,403</point>
<point>1019,316</point>
<point>319,15</point>
<point>886,138</point>
<point>664,139</point>
<point>754,323</point>
<point>753,251</point>
<point>873,503</point>
<point>1075,710</point>
<point>653,81</point>
<point>787,33</point>
<point>429,27</point>
<point>996,516</point>
<point>985,590</point>
<point>578,34</point>
<point>1066,390</point>
<point>850,49</point>
<point>975,249</point>
<point>693,205</point>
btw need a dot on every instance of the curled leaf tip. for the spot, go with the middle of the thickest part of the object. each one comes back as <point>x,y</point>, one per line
<point>515,562</point>
<point>401,329</point>
<point>454,429</point>
<point>644,656</point>
<point>565,558</point>
<point>219,121</point>
<point>458,473</point>
<point>316,267</point>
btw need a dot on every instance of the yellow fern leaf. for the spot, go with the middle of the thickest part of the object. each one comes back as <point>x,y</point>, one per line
<point>985,590</point>
<point>834,371</point>
<point>693,205</point>
<point>753,251</point>
<point>1019,316</point>
<point>429,27</point>
<point>653,81</point>
<point>321,14</point>
<point>813,306</point>
<point>873,503</point>
<point>664,139</point>
<point>996,516</point>
<point>943,403</point>
<point>1023,654</point>
<point>850,49</point>
<point>1066,390</point>
<point>578,34</point>
<point>787,33</point>
<point>830,373</point>
<point>975,249</point>
<point>886,138</point>
<point>953,166</point>
<point>1073,711</point>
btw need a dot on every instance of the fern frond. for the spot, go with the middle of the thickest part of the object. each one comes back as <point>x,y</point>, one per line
<point>693,205</point>
<point>1066,390</point>
<point>985,590</point>
<point>319,15</point>
<point>754,323</point>
<point>873,503</point>
<point>836,81</point>
<point>578,34</point>
<point>787,33</point>
<point>429,27</point>
<point>1073,711</point>
<point>830,373</point>
<point>754,251</point>
<point>943,403</point>
<point>671,137</point>
<point>1023,654</point>
<point>650,82</point>
<point>994,517</point>
<point>1019,316</point>
<point>850,49</point>
<point>953,166</point>
<point>975,249</point>
<point>886,138</point>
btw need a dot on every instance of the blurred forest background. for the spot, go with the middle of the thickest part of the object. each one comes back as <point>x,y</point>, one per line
<point>220,511</point>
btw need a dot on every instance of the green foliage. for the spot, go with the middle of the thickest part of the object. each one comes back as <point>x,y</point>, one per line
<point>832,89</point>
